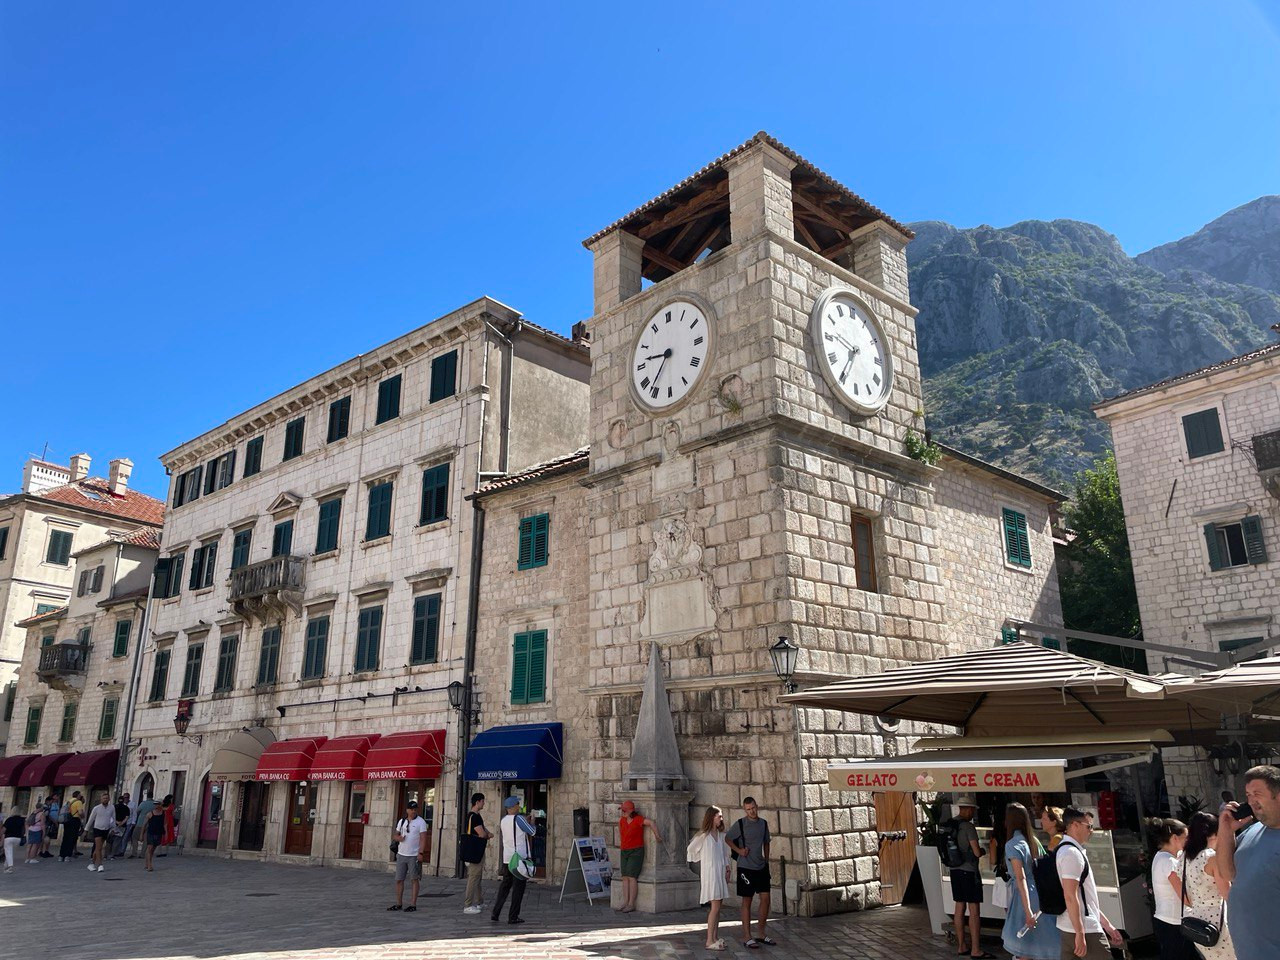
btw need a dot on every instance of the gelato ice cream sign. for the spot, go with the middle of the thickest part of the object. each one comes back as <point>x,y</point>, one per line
<point>1042,776</point>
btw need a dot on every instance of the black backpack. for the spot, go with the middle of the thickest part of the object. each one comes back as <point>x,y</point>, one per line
<point>1049,885</point>
<point>949,850</point>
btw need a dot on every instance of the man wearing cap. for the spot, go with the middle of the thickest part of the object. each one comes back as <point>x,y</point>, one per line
<point>408,837</point>
<point>631,829</point>
<point>966,883</point>
<point>515,831</point>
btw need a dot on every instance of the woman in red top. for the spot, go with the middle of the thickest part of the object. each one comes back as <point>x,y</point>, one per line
<point>631,839</point>
<point>170,827</point>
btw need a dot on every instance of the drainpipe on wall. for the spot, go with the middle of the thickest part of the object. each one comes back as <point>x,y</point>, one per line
<point>135,673</point>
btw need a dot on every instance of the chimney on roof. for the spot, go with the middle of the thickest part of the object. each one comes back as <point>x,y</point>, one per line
<point>39,476</point>
<point>79,466</point>
<point>118,478</point>
<point>579,333</point>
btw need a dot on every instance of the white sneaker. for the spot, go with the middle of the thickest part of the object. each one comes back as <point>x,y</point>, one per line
<point>101,868</point>
<point>474,909</point>
<point>90,868</point>
<point>8,869</point>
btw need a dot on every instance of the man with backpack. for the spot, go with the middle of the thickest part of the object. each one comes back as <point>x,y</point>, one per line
<point>960,851</point>
<point>1084,928</point>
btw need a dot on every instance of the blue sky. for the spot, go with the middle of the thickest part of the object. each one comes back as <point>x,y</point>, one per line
<point>205,204</point>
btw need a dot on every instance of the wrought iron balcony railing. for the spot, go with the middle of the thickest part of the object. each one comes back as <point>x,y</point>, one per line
<point>1266,450</point>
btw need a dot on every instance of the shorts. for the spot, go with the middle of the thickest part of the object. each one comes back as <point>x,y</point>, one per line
<point>632,862</point>
<point>35,837</point>
<point>409,867</point>
<point>751,882</point>
<point>966,886</point>
<point>101,834</point>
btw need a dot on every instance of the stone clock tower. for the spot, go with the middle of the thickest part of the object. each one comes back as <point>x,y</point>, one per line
<point>754,374</point>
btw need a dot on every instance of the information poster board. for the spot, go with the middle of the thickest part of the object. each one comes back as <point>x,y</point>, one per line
<point>589,870</point>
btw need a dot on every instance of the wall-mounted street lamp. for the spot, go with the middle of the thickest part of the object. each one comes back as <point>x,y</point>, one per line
<point>182,721</point>
<point>460,700</point>
<point>785,654</point>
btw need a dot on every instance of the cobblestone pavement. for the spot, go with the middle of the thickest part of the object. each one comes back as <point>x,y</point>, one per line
<point>200,907</point>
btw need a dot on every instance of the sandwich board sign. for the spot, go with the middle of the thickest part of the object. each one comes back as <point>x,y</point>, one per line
<point>589,869</point>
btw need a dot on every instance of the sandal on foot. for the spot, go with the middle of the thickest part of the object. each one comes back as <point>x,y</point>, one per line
<point>395,906</point>
<point>767,941</point>
<point>751,944</point>
<point>410,908</point>
<point>717,946</point>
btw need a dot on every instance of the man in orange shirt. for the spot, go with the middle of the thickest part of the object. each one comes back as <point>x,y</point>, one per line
<point>631,829</point>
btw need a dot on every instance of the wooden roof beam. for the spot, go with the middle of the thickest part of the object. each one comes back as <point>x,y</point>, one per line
<point>691,209</point>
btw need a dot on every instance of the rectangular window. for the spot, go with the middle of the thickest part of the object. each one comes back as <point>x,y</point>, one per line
<point>59,551</point>
<point>211,476</point>
<point>82,584</point>
<point>82,636</point>
<point>32,732</point>
<point>48,640</point>
<point>1203,433</point>
<point>1235,544</point>
<point>368,638</point>
<point>240,545</point>
<point>330,521</point>
<point>426,628</point>
<point>191,678</point>
<point>529,667</point>
<point>339,420</point>
<point>4,542</point>
<point>228,647</point>
<point>96,584</point>
<point>107,723</point>
<point>160,676</point>
<point>68,729</point>
<point>269,657</point>
<point>220,472</point>
<point>444,376</point>
<point>379,520</point>
<point>864,555</point>
<point>120,647</point>
<point>46,608</point>
<point>534,541</point>
<point>282,539</point>
<point>253,457</point>
<point>1017,544</point>
<point>389,399</point>
<point>293,436</point>
<point>168,576</point>
<point>187,487</point>
<point>313,658</point>
<point>204,560</point>
<point>435,495</point>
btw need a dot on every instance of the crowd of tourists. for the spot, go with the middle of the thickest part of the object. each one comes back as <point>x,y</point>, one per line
<point>124,830</point>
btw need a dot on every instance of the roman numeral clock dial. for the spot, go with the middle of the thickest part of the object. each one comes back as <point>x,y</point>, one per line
<point>853,351</point>
<point>670,355</point>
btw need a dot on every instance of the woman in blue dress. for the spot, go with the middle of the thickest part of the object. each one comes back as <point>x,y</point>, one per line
<point>1039,938</point>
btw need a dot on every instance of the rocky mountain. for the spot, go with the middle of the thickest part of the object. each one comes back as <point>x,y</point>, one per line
<point>1241,246</point>
<point>1023,328</point>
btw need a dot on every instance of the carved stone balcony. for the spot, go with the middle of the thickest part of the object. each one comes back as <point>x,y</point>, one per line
<point>1266,453</point>
<point>266,589</point>
<point>63,665</point>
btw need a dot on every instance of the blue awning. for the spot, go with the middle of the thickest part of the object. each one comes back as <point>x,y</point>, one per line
<point>522,751</point>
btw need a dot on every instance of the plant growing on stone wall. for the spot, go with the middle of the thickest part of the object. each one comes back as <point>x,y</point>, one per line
<point>921,446</point>
<point>1188,807</point>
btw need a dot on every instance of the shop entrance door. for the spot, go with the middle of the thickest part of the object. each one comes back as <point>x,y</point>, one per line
<point>254,800</point>
<point>424,791</point>
<point>353,831</point>
<point>533,801</point>
<point>896,825</point>
<point>300,819</point>
<point>210,813</point>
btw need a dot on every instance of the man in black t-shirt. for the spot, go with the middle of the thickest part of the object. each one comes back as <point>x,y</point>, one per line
<point>473,845</point>
<point>14,827</point>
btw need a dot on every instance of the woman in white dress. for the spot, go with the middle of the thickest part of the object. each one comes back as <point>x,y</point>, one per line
<point>708,848</point>
<point>1206,889</point>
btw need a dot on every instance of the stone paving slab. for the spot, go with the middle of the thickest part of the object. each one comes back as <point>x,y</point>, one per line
<point>200,907</point>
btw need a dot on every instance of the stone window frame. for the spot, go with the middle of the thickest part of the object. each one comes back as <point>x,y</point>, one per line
<point>856,518</point>
<point>526,622</point>
<point>1032,529</point>
<point>1198,406</point>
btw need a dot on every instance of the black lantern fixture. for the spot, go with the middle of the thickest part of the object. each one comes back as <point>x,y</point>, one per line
<point>460,698</point>
<point>182,721</point>
<point>785,654</point>
<point>456,691</point>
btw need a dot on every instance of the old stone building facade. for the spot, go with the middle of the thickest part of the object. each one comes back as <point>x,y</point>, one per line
<point>314,586</point>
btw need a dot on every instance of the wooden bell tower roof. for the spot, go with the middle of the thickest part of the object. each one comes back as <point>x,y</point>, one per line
<point>692,218</point>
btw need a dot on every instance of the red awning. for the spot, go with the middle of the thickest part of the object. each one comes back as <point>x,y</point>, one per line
<point>342,758</point>
<point>40,771</point>
<point>11,767</point>
<point>406,756</point>
<point>289,759</point>
<point>90,769</point>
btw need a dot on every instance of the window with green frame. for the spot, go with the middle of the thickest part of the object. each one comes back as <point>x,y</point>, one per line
<point>32,732</point>
<point>59,551</point>
<point>339,419</point>
<point>68,728</point>
<point>329,523</point>
<point>1203,433</point>
<point>241,543</point>
<point>388,399</point>
<point>534,541</point>
<point>160,676</point>
<point>435,495</point>
<point>368,638</point>
<point>378,524</point>
<point>293,438</point>
<point>444,376</point>
<point>529,667</point>
<point>120,647</point>
<point>1017,543</point>
<point>317,647</point>
<point>45,608</point>
<point>253,457</point>
<point>107,722</point>
<point>269,657</point>
<point>228,647</point>
<point>47,640</point>
<point>282,539</point>
<point>191,677</point>
<point>426,628</point>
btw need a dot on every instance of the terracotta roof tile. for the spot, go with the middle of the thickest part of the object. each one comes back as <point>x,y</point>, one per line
<point>42,617</point>
<point>1230,362</point>
<point>94,493</point>
<point>551,468</point>
<point>146,537</point>
<point>140,594</point>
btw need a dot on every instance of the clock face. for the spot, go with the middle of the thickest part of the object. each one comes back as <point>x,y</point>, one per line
<point>670,354</point>
<point>852,351</point>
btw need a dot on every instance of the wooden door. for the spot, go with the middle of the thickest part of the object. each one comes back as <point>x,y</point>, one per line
<point>210,813</point>
<point>300,818</point>
<point>353,831</point>
<point>896,825</point>
<point>253,814</point>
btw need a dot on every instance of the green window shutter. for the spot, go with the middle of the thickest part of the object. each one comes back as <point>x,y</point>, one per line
<point>1255,547</point>
<point>317,643</point>
<point>534,541</point>
<point>378,523</point>
<point>1017,542</point>
<point>389,399</point>
<point>444,375</point>
<point>282,539</point>
<point>269,657</point>
<point>120,648</point>
<point>240,545</point>
<point>1203,433</point>
<point>537,686</point>
<point>520,669</point>
<point>1008,635</point>
<point>368,638</point>
<point>327,531</point>
<point>1211,541</point>
<point>160,675</point>
<point>32,732</point>
<point>59,547</point>
<point>339,419</point>
<point>426,628</point>
<point>435,495</point>
<point>191,679</point>
<point>525,552</point>
<point>68,729</point>
<point>107,723</point>
<point>253,457</point>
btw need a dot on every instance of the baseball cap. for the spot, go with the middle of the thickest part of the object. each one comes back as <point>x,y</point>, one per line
<point>511,802</point>
<point>628,806</point>
<point>412,804</point>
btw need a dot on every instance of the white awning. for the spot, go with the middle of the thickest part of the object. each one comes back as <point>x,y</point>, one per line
<point>237,759</point>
